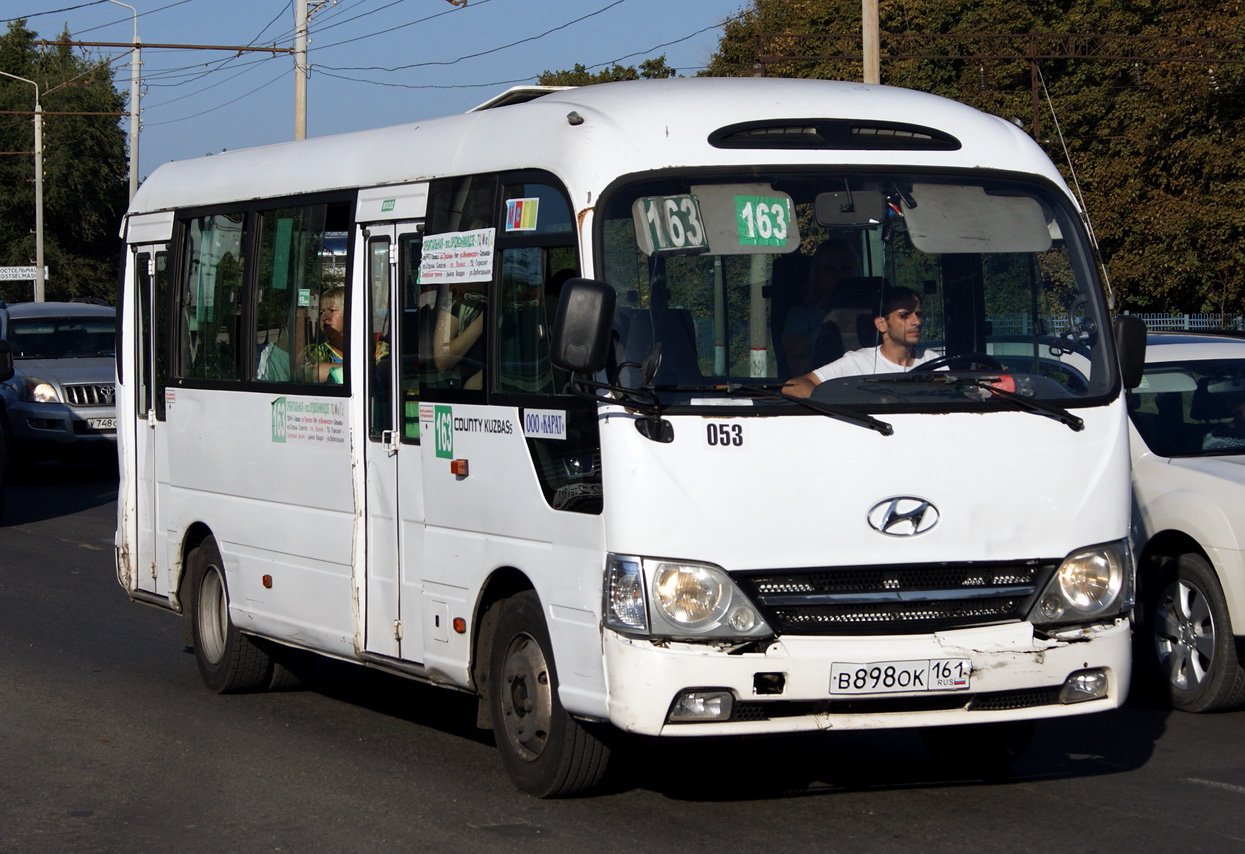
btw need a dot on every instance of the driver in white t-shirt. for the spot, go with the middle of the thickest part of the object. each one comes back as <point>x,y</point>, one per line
<point>899,322</point>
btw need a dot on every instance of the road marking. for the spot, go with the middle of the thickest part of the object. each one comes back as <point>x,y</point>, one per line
<point>1214,784</point>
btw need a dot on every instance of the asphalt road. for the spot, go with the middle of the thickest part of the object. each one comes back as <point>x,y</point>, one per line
<point>108,742</point>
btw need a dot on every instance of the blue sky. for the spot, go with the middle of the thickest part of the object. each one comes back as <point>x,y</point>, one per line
<point>373,62</point>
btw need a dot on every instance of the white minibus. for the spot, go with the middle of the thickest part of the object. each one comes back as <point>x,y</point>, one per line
<point>496,402</point>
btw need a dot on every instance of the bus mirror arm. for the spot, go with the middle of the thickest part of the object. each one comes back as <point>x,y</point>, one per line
<point>651,426</point>
<point>582,335</point>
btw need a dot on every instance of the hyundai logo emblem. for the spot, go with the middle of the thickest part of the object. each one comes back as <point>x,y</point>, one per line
<point>903,516</point>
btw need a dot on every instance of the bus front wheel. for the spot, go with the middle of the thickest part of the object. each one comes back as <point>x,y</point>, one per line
<point>229,662</point>
<point>545,751</point>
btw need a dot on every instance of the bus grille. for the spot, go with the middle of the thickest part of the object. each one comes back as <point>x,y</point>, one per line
<point>895,599</point>
<point>990,701</point>
<point>90,394</point>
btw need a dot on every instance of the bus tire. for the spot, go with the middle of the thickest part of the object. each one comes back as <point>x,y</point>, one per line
<point>229,662</point>
<point>545,751</point>
<point>1192,648</point>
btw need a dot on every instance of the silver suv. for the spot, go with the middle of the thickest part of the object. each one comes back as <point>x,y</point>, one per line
<point>60,400</point>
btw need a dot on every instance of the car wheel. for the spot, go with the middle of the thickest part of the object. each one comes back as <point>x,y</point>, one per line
<point>1194,649</point>
<point>545,751</point>
<point>229,661</point>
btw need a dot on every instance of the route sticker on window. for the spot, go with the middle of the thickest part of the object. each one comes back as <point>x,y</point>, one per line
<point>669,225</point>
<point>457,257</point>
<point>521,214</point>
<point>763,220</point>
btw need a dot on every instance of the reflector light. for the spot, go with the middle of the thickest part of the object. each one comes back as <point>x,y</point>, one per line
<point>460,625</point>
<point>458,468</point>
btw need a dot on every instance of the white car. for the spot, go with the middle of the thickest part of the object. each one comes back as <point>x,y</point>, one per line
<point>1188,452</point>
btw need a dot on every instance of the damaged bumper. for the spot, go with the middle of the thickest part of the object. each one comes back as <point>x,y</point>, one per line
<point>787,686</point>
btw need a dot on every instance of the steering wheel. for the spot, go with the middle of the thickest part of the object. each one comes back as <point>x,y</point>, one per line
<point>980,360</point>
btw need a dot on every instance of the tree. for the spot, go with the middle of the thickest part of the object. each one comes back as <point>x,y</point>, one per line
<point>85,180</point>
<point>649,69</point>
<point>1157,144</point>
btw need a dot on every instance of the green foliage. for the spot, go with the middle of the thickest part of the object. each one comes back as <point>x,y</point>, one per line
<point>649,69</point>
<point>85,177</point>
<point>1158,145</point>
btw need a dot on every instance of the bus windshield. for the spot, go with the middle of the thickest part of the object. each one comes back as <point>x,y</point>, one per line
<point>749,280</point>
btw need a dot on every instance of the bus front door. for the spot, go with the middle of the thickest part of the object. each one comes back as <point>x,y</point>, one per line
<point>395,498</point>
<point>148,443</point>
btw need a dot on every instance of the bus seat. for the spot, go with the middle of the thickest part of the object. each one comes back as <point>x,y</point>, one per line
<point>849,318</point>
<point>634,329</point>
<point>676,331</point>
<point>789,283</point>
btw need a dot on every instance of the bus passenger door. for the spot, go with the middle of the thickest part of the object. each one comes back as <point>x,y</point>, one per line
<point>395,500</point>
<point>151,459</point>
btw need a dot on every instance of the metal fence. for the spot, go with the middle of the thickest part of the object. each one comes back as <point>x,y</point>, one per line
<point>1023,325</point>
<point>1177,322</point>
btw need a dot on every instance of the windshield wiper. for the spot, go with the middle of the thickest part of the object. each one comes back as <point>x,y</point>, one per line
<point>1040,407</point>
<point>857,418</point>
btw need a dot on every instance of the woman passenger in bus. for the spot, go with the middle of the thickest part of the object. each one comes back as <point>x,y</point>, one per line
<point>458,337</point>
<point>326,362</point>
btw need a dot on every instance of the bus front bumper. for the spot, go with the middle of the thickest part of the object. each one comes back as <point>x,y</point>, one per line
<point>677,689</point>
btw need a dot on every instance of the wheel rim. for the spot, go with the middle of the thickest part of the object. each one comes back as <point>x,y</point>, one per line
<point>527,697</point>
<point>213,616</point>
<point>1184,635</point>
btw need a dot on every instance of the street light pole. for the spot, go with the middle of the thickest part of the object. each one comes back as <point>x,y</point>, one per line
<point>39,289</point>
<point>134,66</point>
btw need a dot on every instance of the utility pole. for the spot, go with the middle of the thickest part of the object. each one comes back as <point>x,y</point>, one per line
<point>870,35</point>
<point>135,62</point>
<point>39,282</point>
<point>300,69</point>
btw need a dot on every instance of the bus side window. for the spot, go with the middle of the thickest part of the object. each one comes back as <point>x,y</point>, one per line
<point>459,238</point>
<point>381,415</point>
<point>300,300</point>
<point>415,328</point>
<point>537,248</point>
<point>522,345</point>
<point>211,288</point>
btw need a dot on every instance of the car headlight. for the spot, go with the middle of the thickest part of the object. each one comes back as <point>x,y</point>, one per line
<point>41,392</point>
<point>1090,583</point>
<point>682,599</point>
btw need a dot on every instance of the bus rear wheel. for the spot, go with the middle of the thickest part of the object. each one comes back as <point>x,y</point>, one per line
<point>229,662</point>
<point>544,750</point>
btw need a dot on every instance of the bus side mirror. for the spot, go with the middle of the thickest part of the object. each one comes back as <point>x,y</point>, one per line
<point>6,361</point>
<point>1130,343</point>
<point>582,326</point>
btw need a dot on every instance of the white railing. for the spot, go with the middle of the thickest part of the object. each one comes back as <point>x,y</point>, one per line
<point>1177,322</point>
<point>1154,322</point>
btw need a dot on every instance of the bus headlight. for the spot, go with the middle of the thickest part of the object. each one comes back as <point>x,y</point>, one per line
<point>1090,583</point>
<point>677,599</point>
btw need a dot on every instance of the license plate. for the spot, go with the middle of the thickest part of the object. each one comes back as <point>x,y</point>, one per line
<point>888,677</point>
<point>102,423</point>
